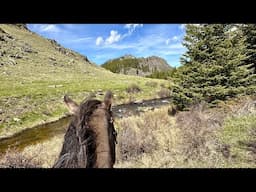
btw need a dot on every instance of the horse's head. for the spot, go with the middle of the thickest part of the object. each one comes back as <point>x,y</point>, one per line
<point>92,129</point>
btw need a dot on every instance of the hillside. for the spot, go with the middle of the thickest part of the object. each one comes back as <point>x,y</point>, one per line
<point>130,65</point>
<point>37,72</point>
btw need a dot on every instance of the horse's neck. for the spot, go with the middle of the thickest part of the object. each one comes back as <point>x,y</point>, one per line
<point>100,127</point>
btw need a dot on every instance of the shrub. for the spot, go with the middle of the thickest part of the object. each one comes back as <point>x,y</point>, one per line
<point>133,88</point>
<point>198,132</point>
<point>15,159</point>
<point>132,142</point>
<point>164,92</point>
<point>151,84</point>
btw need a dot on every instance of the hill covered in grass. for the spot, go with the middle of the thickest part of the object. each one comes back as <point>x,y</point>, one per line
<point>131,65</point>
<point>37,72</point>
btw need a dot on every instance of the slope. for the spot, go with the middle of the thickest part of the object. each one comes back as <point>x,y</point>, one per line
<point>37,72</point>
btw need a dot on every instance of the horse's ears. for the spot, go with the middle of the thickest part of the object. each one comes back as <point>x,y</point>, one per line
<point>108,99</point>
<point>72,105</point>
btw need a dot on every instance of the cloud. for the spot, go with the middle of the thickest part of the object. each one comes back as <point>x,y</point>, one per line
<point>99,40</point>
<point>167,41</point>
<point>49,28</point>
<point>114,37</point>
<point>182,26</point>
<point>175,38</point>
<point>131,28</point>
<point>82,39</point>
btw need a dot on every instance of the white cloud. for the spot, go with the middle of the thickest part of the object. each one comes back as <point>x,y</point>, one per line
<point>175,38</point>
<point>114,37</point>
<point>176,46</point>
<point>131,28</point>
<point>99,40</point>
<point>44,28</point>
<point>82,39</point>
<point>49,28</point>
<point>167,41</point>
<point>182,26</point>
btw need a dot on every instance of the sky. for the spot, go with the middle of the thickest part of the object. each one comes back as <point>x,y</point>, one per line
<point>101,42</point>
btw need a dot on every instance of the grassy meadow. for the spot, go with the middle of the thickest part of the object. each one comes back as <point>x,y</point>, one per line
<point>32,90</point>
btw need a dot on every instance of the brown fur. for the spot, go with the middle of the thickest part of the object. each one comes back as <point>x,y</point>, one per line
<point>90,139</point>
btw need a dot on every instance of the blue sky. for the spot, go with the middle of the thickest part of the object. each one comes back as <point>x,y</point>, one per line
<point>101,42</point>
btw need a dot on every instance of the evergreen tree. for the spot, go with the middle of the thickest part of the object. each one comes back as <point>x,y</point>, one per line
<point>249,30</point>
<point>213,66</point>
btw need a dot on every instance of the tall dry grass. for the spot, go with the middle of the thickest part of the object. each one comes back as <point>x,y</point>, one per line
<point>191,139</point>
<point>42,155</point>
<point>141,136</point>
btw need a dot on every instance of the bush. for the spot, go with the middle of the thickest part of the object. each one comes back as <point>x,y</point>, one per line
<point>15,159</point>
<point>132,142</point>
<point>198,132</point>
<point>133,88</point>
<point>164,93</point>
<point>151,84</point>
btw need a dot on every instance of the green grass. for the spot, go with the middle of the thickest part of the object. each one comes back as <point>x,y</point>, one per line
<point>35,86</point>
<point>235,132</point>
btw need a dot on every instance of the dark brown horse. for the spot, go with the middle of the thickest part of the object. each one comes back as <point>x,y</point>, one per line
<point>90,138</point>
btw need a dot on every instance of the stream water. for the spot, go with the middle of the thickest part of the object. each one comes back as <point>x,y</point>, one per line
<point>46,131</point>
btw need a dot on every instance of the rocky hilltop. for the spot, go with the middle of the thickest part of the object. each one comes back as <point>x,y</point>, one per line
<point>131,65</point>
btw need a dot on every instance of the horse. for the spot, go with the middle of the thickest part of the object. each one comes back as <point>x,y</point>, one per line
<point>90,139</point>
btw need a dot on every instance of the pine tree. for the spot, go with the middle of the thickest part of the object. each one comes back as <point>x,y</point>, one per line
<point>249,30</point>
<point>213,67</point>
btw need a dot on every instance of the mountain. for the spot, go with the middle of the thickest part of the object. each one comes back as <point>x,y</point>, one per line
<point>19,44</point>
<point>35,74</point>
<point>130,65</point>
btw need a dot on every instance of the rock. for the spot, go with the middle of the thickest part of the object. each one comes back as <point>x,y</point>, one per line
<point>1,111</point>
<point>22,26</point>
<point>47,113</point>
<point>119,116</point>
<point>165,101</point>
<point>172,110</point>
<point>55,86</point>
<point>100,92</point>
<point>16,119</point>
<point>138,102</point>
<point>138,66</point>
<point>18,56</point>
<point>52,58</point>
<point>12,61</point>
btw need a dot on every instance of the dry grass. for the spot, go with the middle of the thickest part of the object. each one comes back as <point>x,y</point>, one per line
<point>199,138</point>
<point>133,88</point>
<point>143,135</point>
<point>199,142</point>
<point>164,92</point>
<point>152,84</point>
<point>42,155</point>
